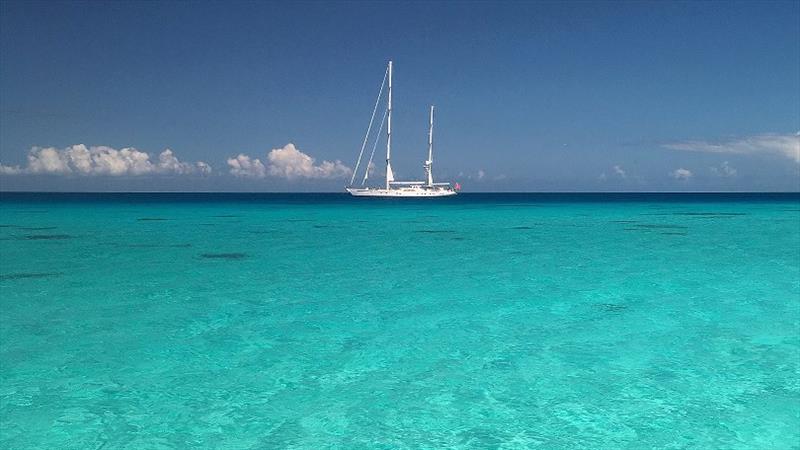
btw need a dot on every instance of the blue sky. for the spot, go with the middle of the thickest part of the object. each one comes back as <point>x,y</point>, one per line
<point>530,96</point>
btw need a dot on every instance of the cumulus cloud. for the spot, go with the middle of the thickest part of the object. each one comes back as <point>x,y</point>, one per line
<point>724,170</point>
<point>481,174</point>
<point>244,166</point>
<point>203,167</point>
<point>786,145</point>
<point>681,174</point>
<point>10,170</point>
<point>167,162</point>
<point>287,162</point>
<point>101,160</point>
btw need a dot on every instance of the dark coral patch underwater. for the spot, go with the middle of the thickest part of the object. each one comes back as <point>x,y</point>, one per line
<point>156,245</point>
<point>709,214</point>
<point>46,237</point>
<point>611,307</point>
<point>28,275</point>
<point>657,226</point>
<point>223,255</point>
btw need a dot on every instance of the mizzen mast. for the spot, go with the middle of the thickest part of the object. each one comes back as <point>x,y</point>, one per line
<point>429,161</point>
<point>389,173</point>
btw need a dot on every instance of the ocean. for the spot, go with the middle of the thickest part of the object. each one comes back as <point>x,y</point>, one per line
<point>553,321</point>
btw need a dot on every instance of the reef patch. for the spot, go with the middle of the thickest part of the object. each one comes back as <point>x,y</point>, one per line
<point>223,255</point>
<point>28,275</point>
<point>709,214</point>
<point>659,226</point>
<point>46,237</point>
<point>499,364</point>
<point>611,307</point>
<point>156,245</point>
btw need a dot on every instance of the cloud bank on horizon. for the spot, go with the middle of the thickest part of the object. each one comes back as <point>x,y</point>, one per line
<point>787,145</point>
<point>290,164</point>
<point>101,160</point>
<point>287,162</point>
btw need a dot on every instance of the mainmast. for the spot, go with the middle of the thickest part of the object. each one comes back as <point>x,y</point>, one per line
<point>389,174</point>
<point>429,162</point>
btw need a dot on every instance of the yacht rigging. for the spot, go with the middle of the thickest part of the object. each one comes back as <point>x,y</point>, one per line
<point>392,188</point>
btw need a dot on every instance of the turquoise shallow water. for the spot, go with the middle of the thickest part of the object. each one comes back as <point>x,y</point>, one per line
<point>320,321</point>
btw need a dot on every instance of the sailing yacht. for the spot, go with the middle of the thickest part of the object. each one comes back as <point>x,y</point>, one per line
<point>392,188</point>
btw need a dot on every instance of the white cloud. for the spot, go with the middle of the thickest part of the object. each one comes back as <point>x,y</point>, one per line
<point>169,163</point>
<point>481,174</point>
<point>724,170</point>
<point>48,160</point>
<point>203,167</point>
<point>10,170</point>
<point>619,171</point>
<point>244,166</point>
<point>101,160</point>
<point>787,145</point>
<point>681,174</point>
<point>108,161</point>
<point>287,162</point>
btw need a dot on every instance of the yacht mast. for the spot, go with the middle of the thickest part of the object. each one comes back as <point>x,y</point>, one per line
<point>429,162</point>
<point>389,174</point>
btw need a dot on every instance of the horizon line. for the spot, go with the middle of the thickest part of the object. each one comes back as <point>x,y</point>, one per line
<point>345,193</point>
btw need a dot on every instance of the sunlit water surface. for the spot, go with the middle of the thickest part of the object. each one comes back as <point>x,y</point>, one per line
<point>321,321</point>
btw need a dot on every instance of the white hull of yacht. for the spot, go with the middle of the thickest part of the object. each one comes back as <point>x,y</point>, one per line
<point>400,192</point>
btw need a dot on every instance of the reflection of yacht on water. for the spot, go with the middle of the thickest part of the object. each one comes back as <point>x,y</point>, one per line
<point>394,188</point>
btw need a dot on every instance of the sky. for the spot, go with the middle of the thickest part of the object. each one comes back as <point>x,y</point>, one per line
<point>274,96</point>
